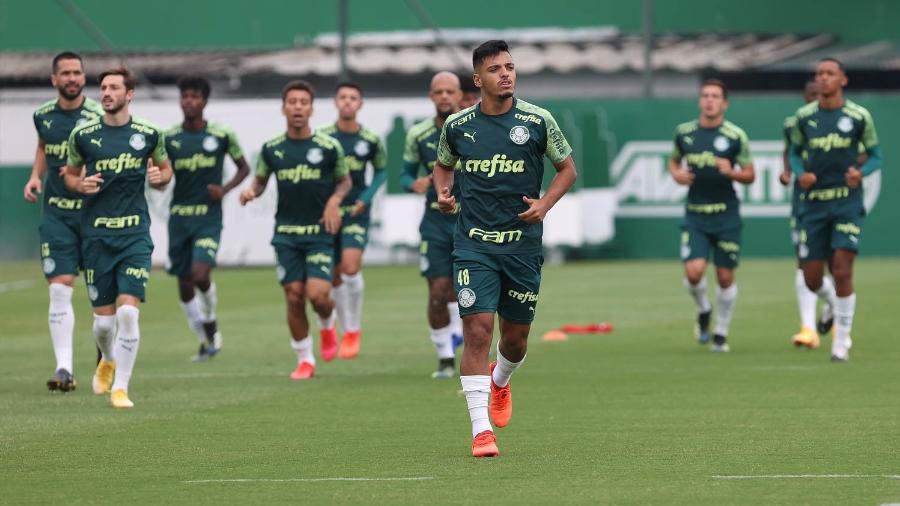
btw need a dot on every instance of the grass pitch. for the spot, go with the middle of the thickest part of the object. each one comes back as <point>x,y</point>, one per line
<point>640,416</point>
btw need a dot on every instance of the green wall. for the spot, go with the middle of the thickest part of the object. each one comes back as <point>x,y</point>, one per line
<point>19,220</point>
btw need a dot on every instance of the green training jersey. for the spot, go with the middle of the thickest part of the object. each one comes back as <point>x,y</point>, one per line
<point>420,150</point>
<point>120,155</point>
<point>197,160</point>
<point>711,192</point>
<point>54,125</point>
<point>360,148</point>
<point>306,172</point>
<point>502,160</point>
<point>789,124</point>
<point>831,139</point>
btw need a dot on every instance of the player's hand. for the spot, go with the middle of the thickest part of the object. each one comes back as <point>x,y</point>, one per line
<point>33,189</point>
<point>807,180</point>
<point>63,170</point>
<point>446,201</point>
<point>358,208</point>
<point>537,210</point>
<point>785,177</point>
<point>90,184</point>
<point>725,167</point>
<point>421,184</point>
<point>683,177</point>
<point>331,218</point>
<point>247,195</point>
<point>854,177</point>
<point>216,192</point>
<point>154,175</point>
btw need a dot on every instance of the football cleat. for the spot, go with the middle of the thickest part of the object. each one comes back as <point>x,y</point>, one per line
<point>806,337</point>
<point>826,319</point>
<point>329,344</point>
<point>446,369</point>
<point>840,349</point>
<point>62,381</point>
<point>103,377</point>
<point>119,399</point>
<point>484,444</point>
<point>349,345</point>
<point>719,345</point>
<point>201,356</point>
<point>500,407</point>
<point>701,328</point>
<point>457,341</point>
<point>304,371</point>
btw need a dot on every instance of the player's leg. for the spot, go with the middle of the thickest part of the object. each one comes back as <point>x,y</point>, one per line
<point>695,248</point>
<point>477,283</point>
<point>203,256</point>
<point>180,241</point>
<point>338,290</point>
<point>806,298</point>
<point>439,322</point>
<point>318,265</point>
<point>60,260</point>
<point>726,256</point>
<point>100,279</point>
<point>352,278</point>
<point>298,325</point>
<point>845,237</point>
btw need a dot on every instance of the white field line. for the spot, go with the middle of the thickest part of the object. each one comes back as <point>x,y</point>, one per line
<point>11,286</point>
<point>307,480</point>
<point>804,476</point>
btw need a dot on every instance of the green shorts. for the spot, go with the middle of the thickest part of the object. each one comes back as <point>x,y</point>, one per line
<point>505,284</point>
<point>190,243</point>
<point>60,244</point>
<point>725,245</point>
<point>299,262</point>
<point>436,258</point>
<point>828,226</point>
<point>354,233</point>
<point>116,265</point>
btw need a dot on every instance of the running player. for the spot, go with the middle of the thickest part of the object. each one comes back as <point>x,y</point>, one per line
<point>60,228</point>
<point>362,148</point>
<point>312,178</point>
<point>806,300</point>
<point>436,228</point>
<point>497,257</point>
<point>830,131</point>
<point>111,160</point>
<point>197,148</point>
<point>713,149</point>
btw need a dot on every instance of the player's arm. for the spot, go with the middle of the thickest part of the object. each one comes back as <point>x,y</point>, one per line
<point>217,192</point>
<point>786,173</point>
<point>75,177</point>
<point>159,169</point>
<point>379,164</point>
<point>258,186</point>
<point>409,175</point>
<point>331,217</point>
<point>442,175</point>
<point>873,155</point>
<point>805,178</point>
<point>747,174</point>
<point>565,177</point>
<point>34,186</point>
<point>680,174</point>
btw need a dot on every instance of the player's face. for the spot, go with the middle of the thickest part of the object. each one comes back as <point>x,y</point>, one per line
<point>68,78</point>
<point>113,95</point>
<point>811,92</point>
<point>192,103</point>
<point>712,101</point>
<point>348,102</point>
<point>830,78</point>
<point>297,108</point>
<point>445,94</point>
<point>497,76</point>
<point>469,99</point>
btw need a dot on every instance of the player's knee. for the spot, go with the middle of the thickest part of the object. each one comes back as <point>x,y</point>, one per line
<point>320,300</point>
<point>104,325</point>
<point>294,295</point>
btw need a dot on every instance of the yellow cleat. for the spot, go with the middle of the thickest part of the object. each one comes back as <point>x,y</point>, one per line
<point>806,337</point>
<point>103,377</point>
<point>119,399</point>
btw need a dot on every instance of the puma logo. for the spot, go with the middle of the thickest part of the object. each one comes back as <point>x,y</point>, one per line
<point>97,142</point>
<point>813,123</point>
<point>176,144</point>
<point>430,145</point>
<point>47,123</point>
<point>470,135</point>
<point>279,154</point>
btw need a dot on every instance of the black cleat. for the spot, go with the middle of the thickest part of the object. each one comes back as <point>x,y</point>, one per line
<point>62,381</point>
<point>826,320</point>
<point>201,356</point>
<point>446,369</point>
<point>719,345</point>
<point>701,330</point>
<point>210,329</point>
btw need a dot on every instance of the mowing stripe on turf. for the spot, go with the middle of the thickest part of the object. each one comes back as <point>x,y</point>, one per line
<point>11,286</point>
<point>803,476</point>
<point>283,480</point>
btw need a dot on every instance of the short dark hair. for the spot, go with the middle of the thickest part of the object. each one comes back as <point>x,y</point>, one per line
<point>66,55</point>
<point>348,84</point>
<point>486,49</point>
<point>839,63</point>
<point>298,84</point>
<point>127,76</point>
<point>198,83</point>
<point>716,82</point>
<point>467,84</point>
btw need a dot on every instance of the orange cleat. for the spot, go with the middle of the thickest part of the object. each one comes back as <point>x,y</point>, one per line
<point>500,407</point>
<point>329,344</point>
<point>349,345</point>
<point>304,371</point>
<point>485,445</point>
<point>806,337</point>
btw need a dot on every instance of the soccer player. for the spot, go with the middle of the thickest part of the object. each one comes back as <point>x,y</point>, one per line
<point>111,160</point>
<point>312,179</point>
<point>361,147</point>
<point>497,254</point>
<point>830,132</point>
<point>436,228</point>
<point>60,223</point>
<point>806,300</point>
<point>713,149</point>
<point>197,149</point>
